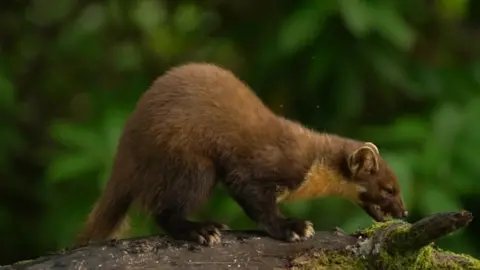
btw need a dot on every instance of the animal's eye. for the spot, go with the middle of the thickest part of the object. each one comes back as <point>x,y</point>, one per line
<point>390,191</point>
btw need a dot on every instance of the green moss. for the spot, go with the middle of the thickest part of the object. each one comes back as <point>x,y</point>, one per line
<point>425,258</point>
<point>428,257</point>
<point>470,262</point>
<point>376,226</point>
<point>422,259</point>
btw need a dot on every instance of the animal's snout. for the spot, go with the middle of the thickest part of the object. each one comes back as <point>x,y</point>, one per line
<point>395,208</point>
<point>401,214</point>
<point>399,210</point>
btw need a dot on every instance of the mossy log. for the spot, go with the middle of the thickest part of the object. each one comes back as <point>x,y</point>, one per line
<point>390,245</point>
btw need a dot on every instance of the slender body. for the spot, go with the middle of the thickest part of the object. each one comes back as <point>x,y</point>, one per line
<point>198,124</point>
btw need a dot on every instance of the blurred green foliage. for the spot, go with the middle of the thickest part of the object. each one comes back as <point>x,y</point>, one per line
<point>404,74</point>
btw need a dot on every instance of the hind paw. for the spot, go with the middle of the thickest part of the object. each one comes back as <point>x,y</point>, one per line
<point>293,230</point>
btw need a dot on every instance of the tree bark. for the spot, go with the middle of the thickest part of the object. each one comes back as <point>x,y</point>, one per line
<point>393,245</point>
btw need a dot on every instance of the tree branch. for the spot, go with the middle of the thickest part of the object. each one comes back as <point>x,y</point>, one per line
<point>427,230</point>
<point>396,244</point>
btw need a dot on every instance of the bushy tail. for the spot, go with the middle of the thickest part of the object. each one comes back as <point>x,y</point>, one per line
<point>108,217</point>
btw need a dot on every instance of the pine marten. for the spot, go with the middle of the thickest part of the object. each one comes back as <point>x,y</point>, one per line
<point>198,124</point>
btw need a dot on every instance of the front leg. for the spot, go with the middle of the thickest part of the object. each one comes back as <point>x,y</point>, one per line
<point>259,204</point>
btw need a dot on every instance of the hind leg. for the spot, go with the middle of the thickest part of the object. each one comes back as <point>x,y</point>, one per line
<point>186,192</point>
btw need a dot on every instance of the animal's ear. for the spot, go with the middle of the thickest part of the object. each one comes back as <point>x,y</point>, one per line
<point>373,146</point>
<point>364,159</point>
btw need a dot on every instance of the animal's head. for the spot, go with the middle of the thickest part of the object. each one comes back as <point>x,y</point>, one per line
<point>379,191</point>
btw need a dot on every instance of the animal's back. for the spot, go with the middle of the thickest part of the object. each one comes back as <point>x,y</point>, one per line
<point>200,108</point>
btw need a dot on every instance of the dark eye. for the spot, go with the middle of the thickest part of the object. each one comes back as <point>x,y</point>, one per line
<point>390,191</point>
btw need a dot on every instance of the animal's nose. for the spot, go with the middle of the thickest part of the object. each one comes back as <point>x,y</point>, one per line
<point>405,214</point>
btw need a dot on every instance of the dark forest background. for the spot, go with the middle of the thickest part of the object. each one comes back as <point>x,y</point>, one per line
<point>404,74</point>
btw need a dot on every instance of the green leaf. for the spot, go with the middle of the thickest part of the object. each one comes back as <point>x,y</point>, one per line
<point>187,18</point>
<point>70,166</point>
<point>304,25</point>
<point>447,121</point>
<point>149,14</point>
<point>356,16</point>
<point>390,24</point>
<point>440,148</point>
<point>112,126</point>
<point>72,135</point>
<point>93,18</point>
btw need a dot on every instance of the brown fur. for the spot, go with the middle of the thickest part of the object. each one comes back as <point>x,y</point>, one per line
<point>199,124</point>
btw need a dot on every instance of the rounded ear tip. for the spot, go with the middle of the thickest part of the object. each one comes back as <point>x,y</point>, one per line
<point>372,146</point>
<point>364,158</point>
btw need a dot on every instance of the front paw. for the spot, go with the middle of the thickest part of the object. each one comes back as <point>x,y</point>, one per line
<point>207,233</point>
<point>293,230</point>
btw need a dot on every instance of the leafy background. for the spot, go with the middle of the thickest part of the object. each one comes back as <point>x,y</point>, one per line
<point>404,74</point>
